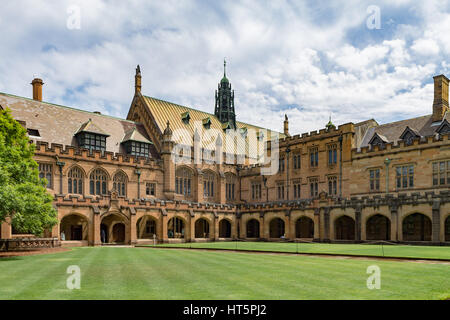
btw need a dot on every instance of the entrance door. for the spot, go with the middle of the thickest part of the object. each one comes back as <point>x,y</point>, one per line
<point>104,233</point>
<point>119,233</point>
<point>76,233</point>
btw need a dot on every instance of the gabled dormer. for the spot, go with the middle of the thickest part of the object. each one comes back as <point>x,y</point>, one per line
<point>206,123</point>
<point>185,117</point>
<point>409,135</point>
<point>444,127</point>
<point>378,140</point>
<point>91,137</point>
<point>136,144</point>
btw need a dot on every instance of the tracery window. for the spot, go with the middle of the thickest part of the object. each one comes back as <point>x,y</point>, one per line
<point>98,181</point>
<point>75,181</point>
<point>120,184</point>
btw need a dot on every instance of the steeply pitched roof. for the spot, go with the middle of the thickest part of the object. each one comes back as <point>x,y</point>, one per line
<point>135,135</point>
<point>91,127</point>
<point>164,111</point>
<point>59,124</point>
<point>421,126</point>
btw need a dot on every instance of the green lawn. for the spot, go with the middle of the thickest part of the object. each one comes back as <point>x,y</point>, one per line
<point>146,273</point>
<point>399,251</point>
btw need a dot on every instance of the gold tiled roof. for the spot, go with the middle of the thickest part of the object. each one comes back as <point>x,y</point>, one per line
<point>164,111</point>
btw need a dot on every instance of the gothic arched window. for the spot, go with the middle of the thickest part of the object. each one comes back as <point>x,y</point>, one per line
<point>98,181</point>
<point>183,181</point>
<point>75,181</point>
<point>230,186</point>
<point>120,184</point>
<point>208,184</point>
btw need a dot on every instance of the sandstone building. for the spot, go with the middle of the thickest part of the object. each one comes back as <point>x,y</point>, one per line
<point>170,173</point>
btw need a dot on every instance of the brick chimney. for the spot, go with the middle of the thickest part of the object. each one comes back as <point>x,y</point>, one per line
<point>37,88</point>
<point>440,102</point>
<point>137,80</point>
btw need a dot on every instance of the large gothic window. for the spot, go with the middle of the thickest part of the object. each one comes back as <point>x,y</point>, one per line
<point>208,184</point>
<point>230,187</point>
<point>120,184</point>
<point>75,181</point>
<point>183,181</point>
<point>98,181</point>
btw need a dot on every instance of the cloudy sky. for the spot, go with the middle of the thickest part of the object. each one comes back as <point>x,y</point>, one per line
<point>306,59</point>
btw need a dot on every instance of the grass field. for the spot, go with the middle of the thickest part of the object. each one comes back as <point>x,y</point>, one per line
<point>146,273</point>
<point>398,251</point>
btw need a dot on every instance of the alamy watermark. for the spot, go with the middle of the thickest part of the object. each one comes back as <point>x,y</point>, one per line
<point>74,17</point>
<point>374,19</point>
<point>74,280</point>
<point>374,280</point>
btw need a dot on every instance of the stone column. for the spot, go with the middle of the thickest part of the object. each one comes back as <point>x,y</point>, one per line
<point>287,224</point>
<point>133,229</point>
<point>234,223</point>
<point>395,228</point>
<point>358,224</point>
<point>164,220</point>
<point>96,227</point>
<point>326,220</point>
<point>6,230</point>
<point>192,228</point>
<point>317,235</point>
<point>262,228</point>
<point>216,227</point>
<point>436,222</point>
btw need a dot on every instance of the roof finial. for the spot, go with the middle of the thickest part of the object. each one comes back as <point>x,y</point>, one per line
<point>224,67</point>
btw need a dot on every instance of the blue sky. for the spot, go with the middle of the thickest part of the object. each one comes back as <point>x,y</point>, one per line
<point>308,59</point>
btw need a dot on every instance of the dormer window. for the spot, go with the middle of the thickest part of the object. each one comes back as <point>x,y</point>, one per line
<point>206,123</point>
<point>378,140</point>
<point>91,137</point>
<point>185,117</point>
<point>136,144</point>
<point>409,135</point>
<point>444,127</point>
<point>260,135</point>
<point>33,133</point>
<point>226,126</point>
<point>243,132</point>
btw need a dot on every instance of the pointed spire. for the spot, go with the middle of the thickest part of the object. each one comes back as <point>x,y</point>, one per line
<point>138,70</point>
<point>138,80</point>
<point>224,68</point>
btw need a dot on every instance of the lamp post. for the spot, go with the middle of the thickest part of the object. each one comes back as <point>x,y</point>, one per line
<point>138,173</point>
<point>60,164</point>
<point>387,161</point>
<point>288,150</point>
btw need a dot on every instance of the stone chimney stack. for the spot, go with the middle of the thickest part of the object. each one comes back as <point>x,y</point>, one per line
<point>440,102</point>
<point>286,126</point>
<point>37,88</point>
<point>137,80</point>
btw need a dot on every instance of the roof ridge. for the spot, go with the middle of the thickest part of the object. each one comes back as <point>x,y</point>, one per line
<point>66,107</point>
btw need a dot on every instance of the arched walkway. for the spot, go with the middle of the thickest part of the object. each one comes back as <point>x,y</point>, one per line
<point>113,229</point>
<point>224,229</point>
<point>253,228</point>
<point>146,228</point>
<point>175,228</point>
<point>447,229</point>
<point>416,227</point>
<point>344,228</point>
<point>201,228</point>
<point>74,227</point>
<point>378,227</point>
<point>276,228</point>
<point>304,228</point>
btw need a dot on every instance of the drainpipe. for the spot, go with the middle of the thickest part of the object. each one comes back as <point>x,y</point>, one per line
<point>340,166</point>
<point>138,172</point>
<point>387,161</point>
<point>60,164</point>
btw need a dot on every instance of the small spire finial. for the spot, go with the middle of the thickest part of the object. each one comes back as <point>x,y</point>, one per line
<point>224,67</point>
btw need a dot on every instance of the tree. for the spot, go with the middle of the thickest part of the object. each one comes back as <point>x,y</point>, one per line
<point>23,196</point>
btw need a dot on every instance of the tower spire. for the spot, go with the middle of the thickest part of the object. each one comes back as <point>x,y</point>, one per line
<point>224,109</point>
<point>224,67</point>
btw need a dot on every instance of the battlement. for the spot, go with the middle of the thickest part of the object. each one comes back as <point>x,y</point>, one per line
<point>321,134</point>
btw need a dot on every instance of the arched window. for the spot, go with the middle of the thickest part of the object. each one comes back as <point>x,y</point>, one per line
<point>230,186</point>
<point>98,181</point>
<point>120,184</point>
<point>75,183</point>
<point>183,181</point>
<point>208,184</point>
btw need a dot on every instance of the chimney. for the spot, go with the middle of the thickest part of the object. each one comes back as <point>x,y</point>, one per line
<point>286,126</point>
<point>440,102</point>
<point>37,89</point>
<point>137,80</point>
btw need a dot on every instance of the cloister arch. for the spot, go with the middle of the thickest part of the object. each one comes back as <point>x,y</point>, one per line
<point>75,227</point>
<point>276,228</point>
<point>202,228</point>
<point>378,227</point>
<point>113,229</point>
<point>344,228</point>
<point>416,227</point>
<point>304,227</point>
<point>176,228</point>
<point>146,227</point>
<point>224,228</point>
<point>252,228</point>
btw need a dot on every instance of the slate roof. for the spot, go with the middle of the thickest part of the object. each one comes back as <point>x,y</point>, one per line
<point>59,124</point>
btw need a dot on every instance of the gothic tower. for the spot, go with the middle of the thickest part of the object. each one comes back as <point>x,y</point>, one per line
<point>224,109</point>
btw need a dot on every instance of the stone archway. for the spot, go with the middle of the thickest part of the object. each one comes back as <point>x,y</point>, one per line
<point>146,227</point>
<point>175,228</point>
<point>304,228</point>
<point>74,227</point>
<point>378,227</point>
<point>252,228</point>
<point>224,229</point>
<point>113,229</point>
<point>276,228</point>
<point>447,229</point>
<point>202,228</point>
<point>416,227</point>
<point>344,228</point>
